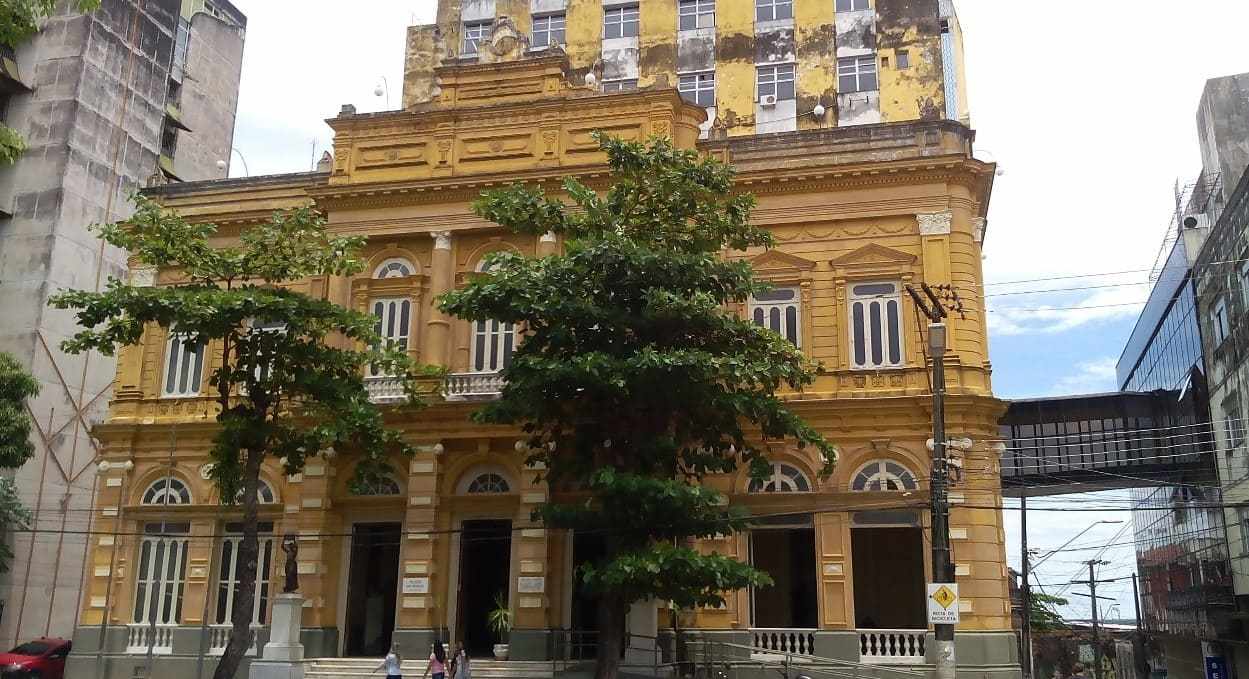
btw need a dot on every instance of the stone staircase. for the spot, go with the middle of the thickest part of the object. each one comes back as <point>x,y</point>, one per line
<point>358,668</point>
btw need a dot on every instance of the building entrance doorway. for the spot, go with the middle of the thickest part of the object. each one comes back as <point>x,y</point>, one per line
<point>888,577</point>
<point>485,573</point>
<point>372,584</point>
<point>587,548</point>
<point>785,551</point>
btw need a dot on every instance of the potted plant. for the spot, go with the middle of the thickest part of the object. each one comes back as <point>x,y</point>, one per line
<point>500,621</point>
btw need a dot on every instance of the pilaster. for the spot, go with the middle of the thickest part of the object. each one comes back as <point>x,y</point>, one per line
<point>318,530</point>
<point>533,607</point>
<point>436,347</point>
<point>422,586</point>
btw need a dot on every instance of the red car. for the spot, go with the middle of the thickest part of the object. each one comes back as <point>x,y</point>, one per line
<point>42,658</point>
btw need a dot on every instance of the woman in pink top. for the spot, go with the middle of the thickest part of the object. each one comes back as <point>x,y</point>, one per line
<point>437,662</point>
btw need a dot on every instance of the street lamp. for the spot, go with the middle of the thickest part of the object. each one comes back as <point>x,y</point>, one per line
<point>383,88</point>
<point>222,165</point>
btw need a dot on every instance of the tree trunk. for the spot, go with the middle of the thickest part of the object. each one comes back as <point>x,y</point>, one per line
<point>611,632</point>
<point>245,598</point>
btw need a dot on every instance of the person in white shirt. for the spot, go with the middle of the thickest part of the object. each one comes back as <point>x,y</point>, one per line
<point>392,663</point>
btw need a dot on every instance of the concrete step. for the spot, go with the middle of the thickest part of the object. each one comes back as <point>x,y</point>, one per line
<point>357,668</point>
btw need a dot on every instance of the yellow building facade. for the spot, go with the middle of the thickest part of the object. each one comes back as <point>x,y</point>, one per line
<point>858,213</point>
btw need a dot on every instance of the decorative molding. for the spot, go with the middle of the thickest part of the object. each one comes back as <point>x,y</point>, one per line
<point>978,225</point>
<point>777,261</point>
<point>442,239</point>
<point>143,277</point>
<point>874,254</point>
<point>935,223</point>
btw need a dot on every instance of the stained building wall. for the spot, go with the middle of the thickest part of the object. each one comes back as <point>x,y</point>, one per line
<point>210,95</point>
<point>1223,129</point>
<point>93,120</point>
<point>911,51</point>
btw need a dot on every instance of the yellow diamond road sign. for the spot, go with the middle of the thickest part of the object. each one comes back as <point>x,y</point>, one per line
<point>943,607</point>
<point>944,596</point>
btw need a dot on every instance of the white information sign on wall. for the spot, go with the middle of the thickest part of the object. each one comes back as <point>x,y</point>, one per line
<point>942,603</point>
<point>531,585</point>
<point>416,585</point>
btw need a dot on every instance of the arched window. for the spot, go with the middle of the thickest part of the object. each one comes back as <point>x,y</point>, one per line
<point>489,482</point>
<point>264,494</point>
<point>396,267</point>
<point>884,475</point>
<point>393,323</point>
<point>167,491</point>
<point>381,486</point>
<point>493,341</point>
<point>785,478</point>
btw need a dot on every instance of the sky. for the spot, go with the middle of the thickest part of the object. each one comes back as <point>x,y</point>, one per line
<point>1090,115</point>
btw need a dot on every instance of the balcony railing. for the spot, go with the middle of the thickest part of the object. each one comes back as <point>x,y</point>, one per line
<point>769,640</point>
<point>383,389</point>
<point>219,637</point>
<point>142,636</point>
<point>472,386</point>
<point>892,646</point>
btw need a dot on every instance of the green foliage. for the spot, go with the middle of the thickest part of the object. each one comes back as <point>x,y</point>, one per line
<point>12,146</point>
<point>20,19</point>
<point>291,379</point>
<point>500,619</point>
<point>1043,613</point>
<point>634,381</point>
<point>16,385</point>
<point>13,516</point>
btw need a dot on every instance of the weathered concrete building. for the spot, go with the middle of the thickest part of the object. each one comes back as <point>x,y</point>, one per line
<point>107,102</point>
<point>757,66</point>
<point>858,212</point>
<point>1223,131</point>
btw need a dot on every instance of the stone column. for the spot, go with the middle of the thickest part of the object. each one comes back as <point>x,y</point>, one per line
<point>421,612</point>
<point>308,509</point>
<point>436,349</point>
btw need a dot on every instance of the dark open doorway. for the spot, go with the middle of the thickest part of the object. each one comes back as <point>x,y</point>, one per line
<point>485,569</point>
<point>888,578</point>
<point>372,588</point>
<point>587,548</point>
<point>788,555</point>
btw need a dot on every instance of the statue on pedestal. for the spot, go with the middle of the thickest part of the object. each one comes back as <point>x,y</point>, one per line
<point>290,545</point>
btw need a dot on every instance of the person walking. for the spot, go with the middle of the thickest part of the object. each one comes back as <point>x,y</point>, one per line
<point>1077,672</point>
<point>460,668</point>
<point>437,663</point>
<point>392,663</point>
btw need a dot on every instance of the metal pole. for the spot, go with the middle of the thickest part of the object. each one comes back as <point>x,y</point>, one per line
<point>1097,647</point>
<point>942,570</point>
<point>1138,640</point>
<point>1025,590</point>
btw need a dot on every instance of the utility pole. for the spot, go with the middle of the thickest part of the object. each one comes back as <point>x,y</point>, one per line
<point>942,565</point>
<point>1025,589</point>
<point>1092,584</point>
<point>1138,641</point>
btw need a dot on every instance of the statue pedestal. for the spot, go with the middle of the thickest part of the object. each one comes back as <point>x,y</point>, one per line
<point>282,657</point>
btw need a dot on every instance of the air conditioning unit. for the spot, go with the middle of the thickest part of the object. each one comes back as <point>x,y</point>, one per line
<point>768,101</point>
<point>1196,220</point>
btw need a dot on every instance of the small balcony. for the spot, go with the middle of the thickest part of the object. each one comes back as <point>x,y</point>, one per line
<point>892,646</point>
<point>384,389</point>
<point>472,386</point>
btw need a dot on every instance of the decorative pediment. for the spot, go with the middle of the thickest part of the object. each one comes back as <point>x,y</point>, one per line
<point>874,255</point>
<point>775,262</point>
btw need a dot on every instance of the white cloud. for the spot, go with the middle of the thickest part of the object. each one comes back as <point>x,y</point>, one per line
<point>1030,314</point>
<point>1090,377</point>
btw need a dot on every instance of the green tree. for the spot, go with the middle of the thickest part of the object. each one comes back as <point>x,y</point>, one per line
<point>16,385</point>
<point>633,381</point>
<point>291,382</point>
<point>19,20</point>
<point>1043,612</point>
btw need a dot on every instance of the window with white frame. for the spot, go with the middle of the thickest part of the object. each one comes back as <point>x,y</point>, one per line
<point>393,325</point>
<point>166,491</point>
<point>229,575</point>
<point>875,325</point>
<point>161,573</point>
<point>620,85</point>
<point>548,30</point>
<point>776,80</point>
<point>852,5</point>
<point>779,310</point>
<point>771,10</point>
<point>383,485</point>
<point>693,14</point>
<point>184,365</point>
<point>857,74</point>
<point>264,493</point>
<point>1233,425</point>
<point>1243,512</point>
<point>698,88</point>
<point>1222,325</point>
<point>264,363</point>
<point>493,341</point>
<point>475,33</point>
<point>397,267</point>
<point>488,482</point>
<point>884,475</point>
<point>785,478</point>
<point>620,22</point>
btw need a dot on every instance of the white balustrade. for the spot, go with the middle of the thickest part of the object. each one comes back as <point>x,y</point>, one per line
<point>801,641</point>
<point>469,386</point>
<point>219,637</point>
<point>383,389</point>
<point>892,646</point>
<point>142,636</point>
